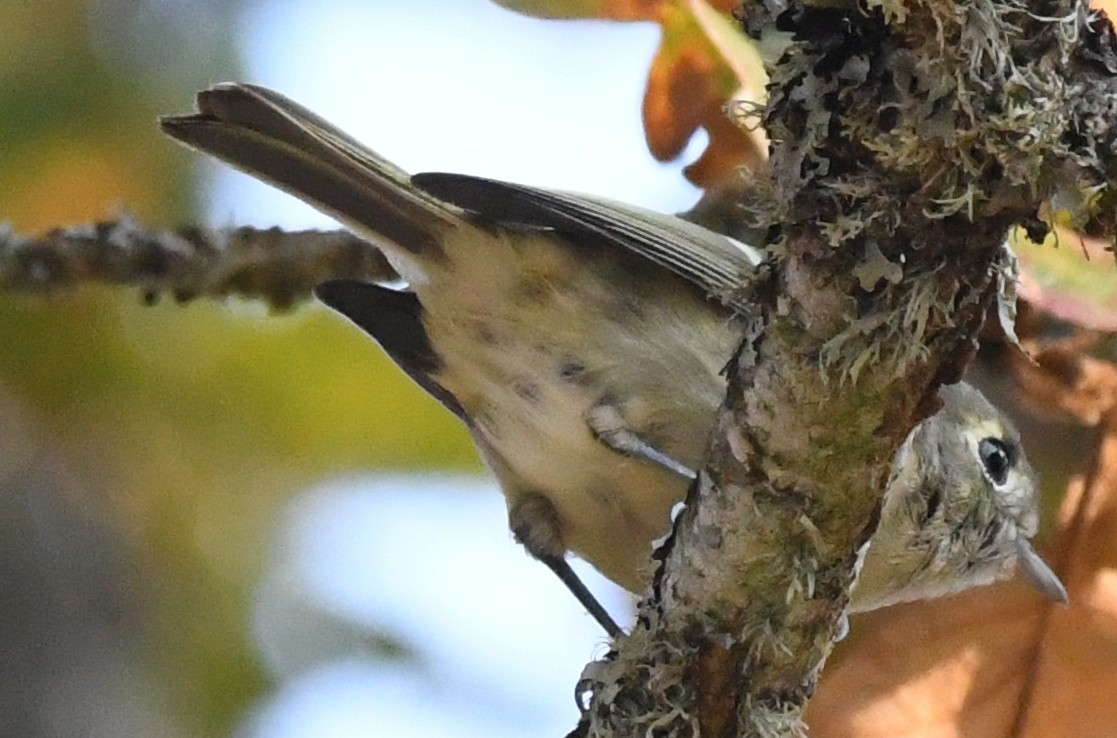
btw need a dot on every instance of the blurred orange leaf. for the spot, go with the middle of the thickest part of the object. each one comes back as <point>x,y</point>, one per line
<point>1109,6</point>
<point>958,666</point>
<point>704,62</point>
<point>70,178</point>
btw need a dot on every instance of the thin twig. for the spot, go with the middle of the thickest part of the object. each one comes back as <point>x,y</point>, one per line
<point>276,266</point>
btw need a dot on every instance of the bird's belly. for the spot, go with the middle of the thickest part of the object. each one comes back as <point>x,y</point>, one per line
<point>528,347</point>
<point>528,394</point>
<point>610,507</point>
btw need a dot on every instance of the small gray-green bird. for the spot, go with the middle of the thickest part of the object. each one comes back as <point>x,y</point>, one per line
<point>581,342</point>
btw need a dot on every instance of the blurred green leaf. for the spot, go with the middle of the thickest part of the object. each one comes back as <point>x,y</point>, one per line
<point>1072,277</point>
<point>188,428</point>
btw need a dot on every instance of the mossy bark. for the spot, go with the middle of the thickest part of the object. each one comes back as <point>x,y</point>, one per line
<point>908,138</point>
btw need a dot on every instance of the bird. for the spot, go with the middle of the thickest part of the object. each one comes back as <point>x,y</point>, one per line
<point>582,341</point>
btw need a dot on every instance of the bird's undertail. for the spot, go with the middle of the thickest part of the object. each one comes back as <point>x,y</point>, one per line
<point>277,140</point>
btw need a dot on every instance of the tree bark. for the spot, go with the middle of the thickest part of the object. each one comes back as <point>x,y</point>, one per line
<point>908,137</point>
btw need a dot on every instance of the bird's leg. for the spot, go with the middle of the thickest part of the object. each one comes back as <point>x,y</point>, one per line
<point>609,427</point>
<point>535,525</point>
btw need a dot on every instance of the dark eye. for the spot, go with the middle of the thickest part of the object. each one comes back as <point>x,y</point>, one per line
<point>996,458</point>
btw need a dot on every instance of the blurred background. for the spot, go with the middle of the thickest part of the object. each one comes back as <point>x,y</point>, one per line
<point>218,522</point>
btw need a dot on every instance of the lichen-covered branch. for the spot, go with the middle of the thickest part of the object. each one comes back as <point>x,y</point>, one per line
<point>907,138</point>
<point>280,268</point>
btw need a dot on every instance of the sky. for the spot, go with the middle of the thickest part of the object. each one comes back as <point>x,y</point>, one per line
<point>460,86</point>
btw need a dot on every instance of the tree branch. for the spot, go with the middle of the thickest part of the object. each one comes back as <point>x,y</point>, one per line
<point>908,139</point>
<point>280,268</point>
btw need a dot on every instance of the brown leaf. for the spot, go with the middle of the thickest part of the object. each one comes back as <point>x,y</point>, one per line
<point>1059,378</point>
<point>957,665</point>
<point>1072,692</point>
<point>703,64</point>
<point>725,154</point>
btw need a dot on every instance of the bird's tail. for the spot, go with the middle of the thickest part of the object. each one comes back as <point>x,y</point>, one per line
<point>277,140</point>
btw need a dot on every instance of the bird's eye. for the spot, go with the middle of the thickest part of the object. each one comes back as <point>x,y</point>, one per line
<point>996,458</point>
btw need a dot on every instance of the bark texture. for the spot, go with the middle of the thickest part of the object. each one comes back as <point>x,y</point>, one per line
<point>908,138</point>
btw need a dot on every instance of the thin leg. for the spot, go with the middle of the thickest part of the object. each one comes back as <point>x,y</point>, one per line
<point>609,427</point>
<point>535,524</point>
<point>562,569</point>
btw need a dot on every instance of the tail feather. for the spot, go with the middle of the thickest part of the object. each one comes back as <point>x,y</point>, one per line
<point>274,139</point>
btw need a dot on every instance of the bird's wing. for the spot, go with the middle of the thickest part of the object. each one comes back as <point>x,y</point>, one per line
<point>715,263</point>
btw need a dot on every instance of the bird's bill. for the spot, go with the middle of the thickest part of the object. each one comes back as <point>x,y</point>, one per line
<point>1039,574</point>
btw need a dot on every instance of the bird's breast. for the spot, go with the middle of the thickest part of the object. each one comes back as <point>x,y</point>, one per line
<point>540,339</point>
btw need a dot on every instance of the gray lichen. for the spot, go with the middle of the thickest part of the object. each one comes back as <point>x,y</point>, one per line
<point>908,138</point>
